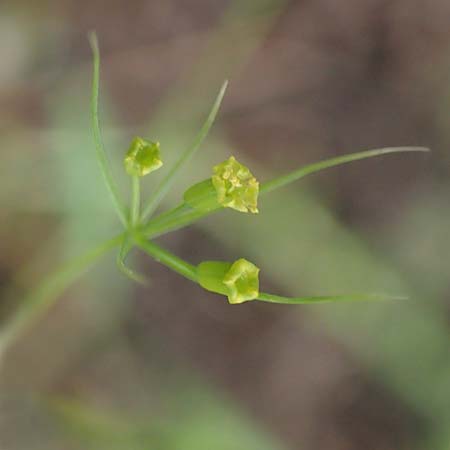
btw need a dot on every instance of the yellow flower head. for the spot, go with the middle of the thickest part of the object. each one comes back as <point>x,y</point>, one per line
<point>242,281</point>
<point>142,157</point>
<point>235,186</point>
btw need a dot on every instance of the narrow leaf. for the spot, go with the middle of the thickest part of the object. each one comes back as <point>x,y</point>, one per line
<point>166,258</point>
<point>295,175</point>
<point>271,298</point>
<point>43,296</point>
<point>182,216</point>
<point>99,147</point>
<point>167,182</point>
<point>135,200</point>
<point>121,263</point>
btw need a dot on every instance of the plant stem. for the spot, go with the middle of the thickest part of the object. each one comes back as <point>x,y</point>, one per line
<point>135,200</point>
<point>50,288</point>
<point>99,147</point>
<point>162,189</point>
<point>168,259</point>
<point>39,301</point>
<point>183,215</point>
<point>179,217</point>
<point>281,181</point>
<point>125,248</point>
<point>271,298</point>
<point>42,298</point>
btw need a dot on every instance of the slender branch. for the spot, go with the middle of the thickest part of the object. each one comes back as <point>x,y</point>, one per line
<point>36,304</point>
<point>183,215</point>
<point>135,200</point>
<point>179,217</point>
<point>99,147</point>
<point>166,183</point>
<point>281,181</point>
<point>271,298</point>
<point>168,259</point>
<point>44,295</point>
<point>125,248</point>
<point>39,301</point>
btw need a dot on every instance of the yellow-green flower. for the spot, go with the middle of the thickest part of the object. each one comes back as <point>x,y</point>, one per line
<point>235,186</point>
<point>142,157</point>
<point>242,281</point>
<point>239,281</point>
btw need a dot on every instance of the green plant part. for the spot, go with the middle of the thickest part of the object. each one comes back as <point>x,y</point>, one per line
<point>239,281</point>
<point>142,157</point>
<point>100,150</point>
<point>210,275</point>
<point>202,197</point>
<point>185,157</point>
<point>235,186</point>
<point>232,185</point>
<point>242,281</point>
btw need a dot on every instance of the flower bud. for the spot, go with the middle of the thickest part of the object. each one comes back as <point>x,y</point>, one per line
<point>238,281</point>
<point>142,157</point>
<point>235,186</point>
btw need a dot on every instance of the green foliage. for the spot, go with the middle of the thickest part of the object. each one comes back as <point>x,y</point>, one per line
<point>185,157</point>
<point>232,185</point>
<point>99,147</point>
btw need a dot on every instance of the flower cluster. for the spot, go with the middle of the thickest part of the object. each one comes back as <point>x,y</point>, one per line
<point>231,185</point>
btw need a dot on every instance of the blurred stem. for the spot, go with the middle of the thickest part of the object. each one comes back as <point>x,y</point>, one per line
<point>125,248</point>
<point>43,296</point>
<point>99,147</point>
<point>38,302</point>
<point>168,259</point>
<point>183,215</point>
<point>174,219</point>
<point>295,175</point>
<point>135,200</point>
<point>271,298</point>
<point>186,156</point>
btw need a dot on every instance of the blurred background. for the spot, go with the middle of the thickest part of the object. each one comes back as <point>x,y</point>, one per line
<point>114,365</point>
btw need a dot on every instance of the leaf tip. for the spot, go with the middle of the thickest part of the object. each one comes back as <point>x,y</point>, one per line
<point>93,41</point>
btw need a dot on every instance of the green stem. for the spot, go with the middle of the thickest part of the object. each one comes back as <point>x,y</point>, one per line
<point>281,181</point>
<point>125,248</point>
<point>135,200</point>
<point>168,259</point>
<point>183,215</point>
<point>42,298</point>
<point>162,189</point>
<point>179,217</point>
<point>46,293</point>
<point>39,301</point>
<point>99,147</point>
<point>271,298</point>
